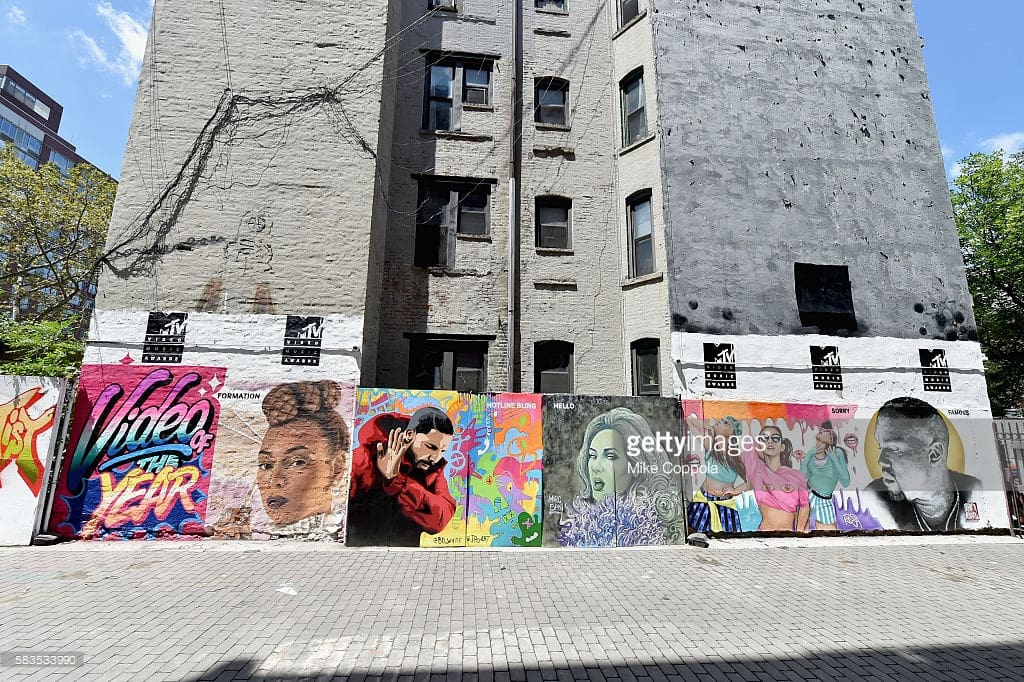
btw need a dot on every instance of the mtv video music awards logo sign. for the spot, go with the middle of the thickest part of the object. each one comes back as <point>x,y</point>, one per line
<point>828,373</point>
<point>303,337</point>
<point>719,365</point>
<point>935,370</point>
<point>165,338</point>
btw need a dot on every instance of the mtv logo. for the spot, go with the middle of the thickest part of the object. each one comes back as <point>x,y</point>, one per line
<point>825,356</point>
<point>719,365</point>
<point>304,327</point>
<point>722,353</point>
<point>303,337</point>
<point>166,324</point>
<point>165,338</point>
<point>935,370</point>
<point>827,371</point>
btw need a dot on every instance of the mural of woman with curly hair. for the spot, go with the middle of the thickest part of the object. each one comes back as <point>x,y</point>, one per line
<point>627,494</point>
<point>300,466</point>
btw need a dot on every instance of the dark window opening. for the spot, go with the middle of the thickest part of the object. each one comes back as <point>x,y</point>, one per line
<point>452,85</point>
<point>448,364</point>
<point>433,226</point>
<point>641,235</point>
<point>446,208</point>
<point>552,370</point>
<point>551,101</point>
<point>646,372</point>
<point>550,5</point>
<point>824,297</point>
<point>628,11</point>
<point>634,120</point>
<point>553,222</point>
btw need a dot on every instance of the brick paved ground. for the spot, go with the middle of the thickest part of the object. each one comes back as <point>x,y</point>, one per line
<point>784,610</point>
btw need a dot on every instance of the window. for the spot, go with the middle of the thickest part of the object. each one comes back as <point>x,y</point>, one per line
<point>551,101</point>
<point>446,208</point>
<point>62,162</point>
<point>552,367</point>
<point>641,239</point>
<point>453,85</point>
<point>553,222</point>
<point>473,204</point>
<point>634,120</point>
<point>442,4</point>
<point>440,91</point>
<point>824,297</point>
<point>628,11</point>
<point>448,364</point>
<point>27,146</point>
<point>646,375</point>
<point>476,87</point>
<point>25,97</point>
<point>433,227</point>
<point>550,5</point>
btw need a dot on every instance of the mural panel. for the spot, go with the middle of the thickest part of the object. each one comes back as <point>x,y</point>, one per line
<point>411,456</point>
<point>789,467</point>
<point>283,458</point>
<point>141,450</point>
<point>29,408</point>
<point>612,471</point>
<point>505,479</point>
<point>231,426</point>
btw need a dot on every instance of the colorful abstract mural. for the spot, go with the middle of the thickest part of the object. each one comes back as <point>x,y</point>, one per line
<point>611,474</point>
<point>505,479</point>
<point>140,454</point>
<point>29,409</point>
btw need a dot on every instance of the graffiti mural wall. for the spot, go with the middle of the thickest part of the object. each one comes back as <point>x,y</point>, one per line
<point>444,469</point>
<point>855,440</point>
<point>252,427</point>
<point>143,444</point>
<point>411,455</point>
<point>29,415</point>
<point>194,425</point>
<point>505,481</point>
<point>612,474</point>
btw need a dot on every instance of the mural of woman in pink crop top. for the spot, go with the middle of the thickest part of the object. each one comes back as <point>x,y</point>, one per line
<point>780,490</point>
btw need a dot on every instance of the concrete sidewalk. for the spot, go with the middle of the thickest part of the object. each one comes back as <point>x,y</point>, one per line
<point>784,609</point>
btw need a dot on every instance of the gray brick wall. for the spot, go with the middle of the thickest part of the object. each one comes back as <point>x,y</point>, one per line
<point>248,180</point>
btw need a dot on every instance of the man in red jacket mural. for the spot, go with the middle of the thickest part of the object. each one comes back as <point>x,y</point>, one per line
<point>398,486</point>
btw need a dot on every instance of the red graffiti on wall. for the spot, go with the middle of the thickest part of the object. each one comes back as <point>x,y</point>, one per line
<point>19,435</point>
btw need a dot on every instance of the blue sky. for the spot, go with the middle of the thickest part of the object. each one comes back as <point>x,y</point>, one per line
<point>86,54</point>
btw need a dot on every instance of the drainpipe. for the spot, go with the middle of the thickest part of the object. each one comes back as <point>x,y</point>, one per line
<point>514,184</point>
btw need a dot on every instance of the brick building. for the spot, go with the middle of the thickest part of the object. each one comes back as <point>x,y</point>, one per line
<point>739,205</point>
<point>679,176</point>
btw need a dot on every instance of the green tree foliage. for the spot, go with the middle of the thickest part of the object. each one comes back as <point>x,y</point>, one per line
<point>988,200</point>
<point>39,348</point>
<point>52,233</point>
